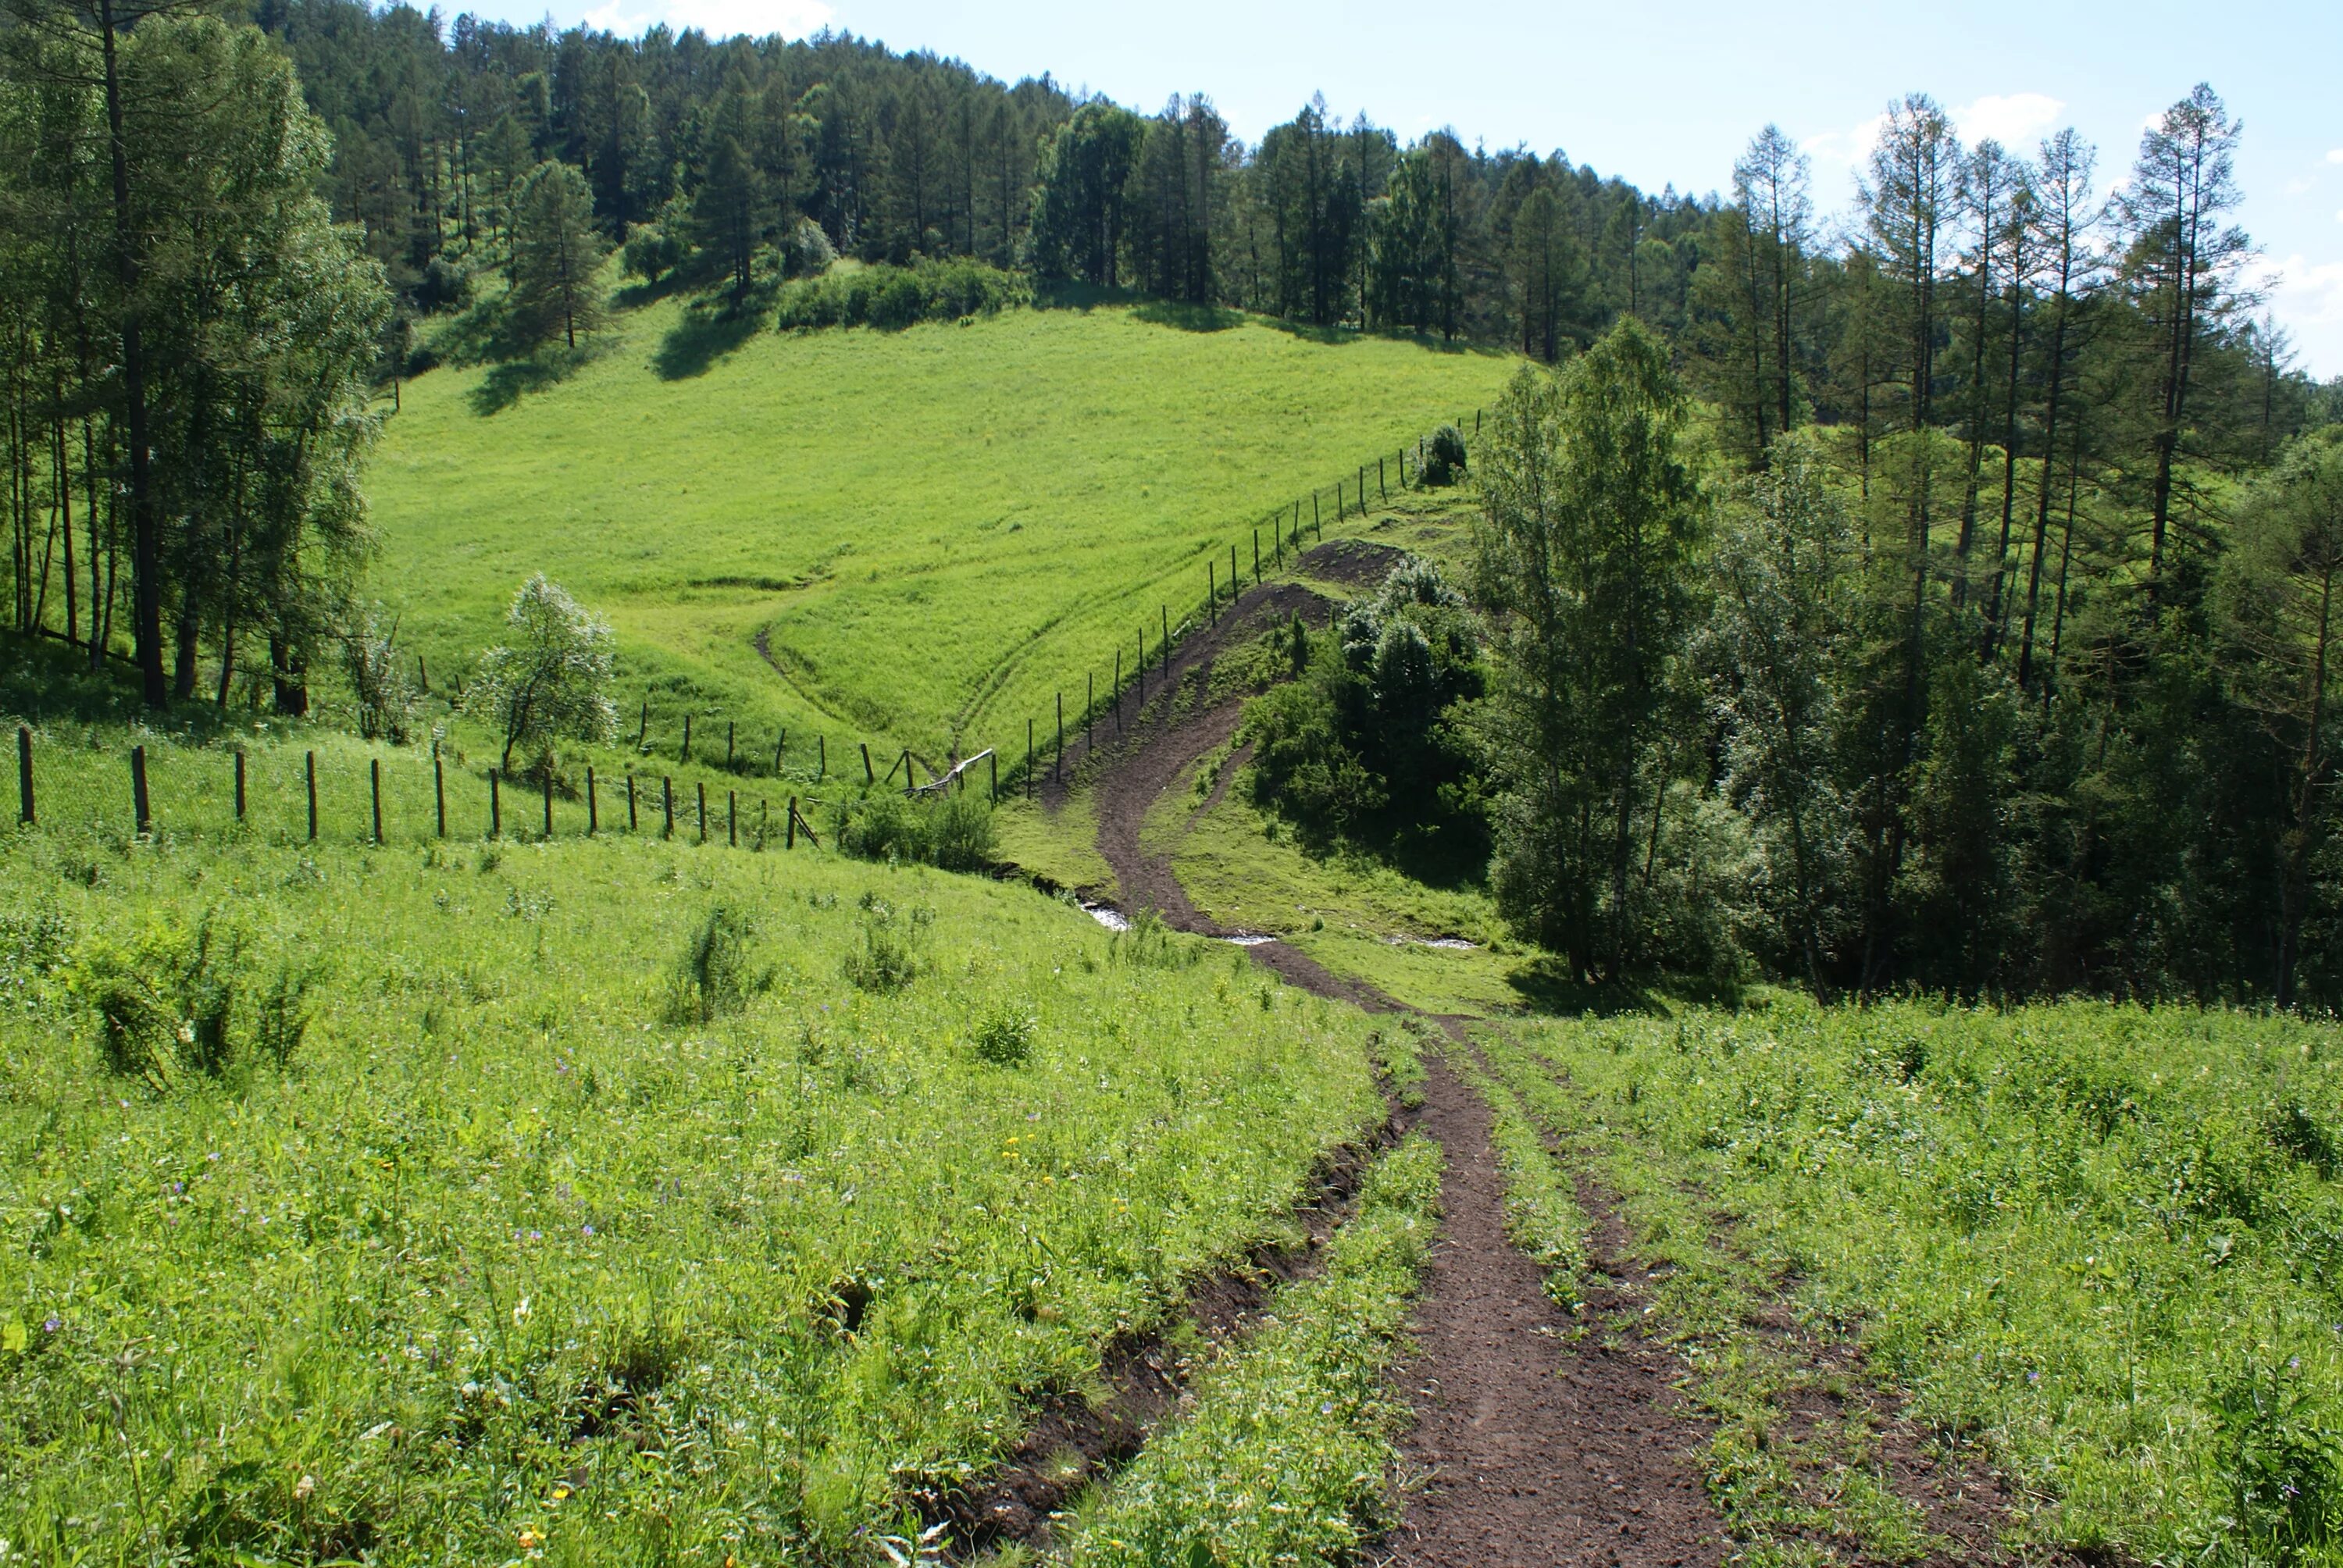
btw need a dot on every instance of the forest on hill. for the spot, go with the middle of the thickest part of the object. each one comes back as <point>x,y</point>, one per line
<point>2021,468</point>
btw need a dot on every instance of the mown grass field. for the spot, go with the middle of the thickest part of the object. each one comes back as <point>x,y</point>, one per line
<point>2104,1244</point>
<point>541,1240</point>
<point>933,531</point>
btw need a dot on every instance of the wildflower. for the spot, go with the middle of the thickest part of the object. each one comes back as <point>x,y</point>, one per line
<point>590,1229</point>
<point>559,1492</point>
<point>52,1323</point>
<point>303,1488</point>
<point>531,1541</point>
<point>2294,1363</point>
<point>520,1313</point>
<point>2034,1377</point>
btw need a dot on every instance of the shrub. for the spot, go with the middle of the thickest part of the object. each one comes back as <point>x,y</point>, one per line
<point>952,832</point>
<point>163,1001</point>
<point>1006,1038</point>
<point>1443,459</point>
<point>893,297</point>
<point>712,978</point>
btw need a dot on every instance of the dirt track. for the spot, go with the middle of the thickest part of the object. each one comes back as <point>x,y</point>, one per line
<point>1529,1452</point>
<point>1541,1436</point>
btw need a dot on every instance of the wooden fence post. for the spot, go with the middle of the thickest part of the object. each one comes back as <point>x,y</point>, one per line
<point>667,804</point>
<point>995,760</point>
<point>1211,597</point>
<point>1256,558</point>
<point>1029,759</point>
<point>374,783</point>
<point>702,788</point>
<point>643,736</point>
<point>733,819</point>
<point>25,774</point>
<point>495,806</point>
<point>1380,483</point>
<point>777,744</point>
<point>1165,611</point>
<point>793,823</point>
<point>632,825</point>
<point>685,754</point>
<point>821,759</point>
<point>730,728</point>
<point>761,815</point>
<point>138,800</point>
<point>422,675</point>
<point>1090,705</point>
<point>868,775</point>
<point>1313,514</point>
<point>309,773</point>
<point>548,782</point>
<point>1235,585</point>
<point>1058,760</point>
<point>439,793</point>
<point>593,811</point>
<point>239,783</point>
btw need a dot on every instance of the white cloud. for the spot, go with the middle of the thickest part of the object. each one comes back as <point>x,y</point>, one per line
<point>1849,148</point>
<point>2306,298</point>
<point>2335,157</point>
<point>717,18</point>
<point>2303,187</point>
<point>2012,119</point>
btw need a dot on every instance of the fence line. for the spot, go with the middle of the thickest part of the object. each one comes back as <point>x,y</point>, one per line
<point>163,802</point>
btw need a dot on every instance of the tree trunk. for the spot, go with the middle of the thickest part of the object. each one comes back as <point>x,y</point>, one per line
<point>146,521</point>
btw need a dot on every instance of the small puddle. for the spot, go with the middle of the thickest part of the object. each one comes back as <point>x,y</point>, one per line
<point>1107,915</point>
<point>1450,944</point>
<point>1247,940</point>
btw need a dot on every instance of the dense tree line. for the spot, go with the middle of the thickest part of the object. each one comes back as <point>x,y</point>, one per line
<point>186,341</point>
<point>1978,638</point>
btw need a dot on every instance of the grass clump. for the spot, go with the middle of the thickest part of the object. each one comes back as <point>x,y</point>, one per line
<point>165,1000</point>
<point>712,978</point>
<point>1284,1457</point>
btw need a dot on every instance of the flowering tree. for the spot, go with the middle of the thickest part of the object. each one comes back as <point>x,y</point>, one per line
<point>553,679</point>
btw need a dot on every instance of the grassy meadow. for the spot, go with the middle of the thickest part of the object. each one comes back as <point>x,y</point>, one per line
<point>930,531</point>
<point>614,1200</point>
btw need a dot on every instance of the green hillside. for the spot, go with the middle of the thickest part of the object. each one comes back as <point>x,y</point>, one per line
<point>739,1226</point>
<point>931,531</point>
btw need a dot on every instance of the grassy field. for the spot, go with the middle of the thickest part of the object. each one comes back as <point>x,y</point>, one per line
<point>930,532</point>
<point>2100,1241</point>
<point>582,1221</point>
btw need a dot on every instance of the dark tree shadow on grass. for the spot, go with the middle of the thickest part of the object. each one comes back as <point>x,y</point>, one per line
<point>1546,984</point>
<point>506,384</point>
<point>712,326</point>
<point>1189,318</point>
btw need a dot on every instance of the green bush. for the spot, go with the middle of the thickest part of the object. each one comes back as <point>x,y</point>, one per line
<point>893,297</point>
<point>1443,459</point>
<point>163,1000</point>
<point>952,832</point>
<point>1006,1038</point>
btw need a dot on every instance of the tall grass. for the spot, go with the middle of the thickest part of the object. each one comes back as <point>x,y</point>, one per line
<point>513,1254</point>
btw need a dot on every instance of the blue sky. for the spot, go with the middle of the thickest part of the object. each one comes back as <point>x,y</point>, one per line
<point>1671,94</point>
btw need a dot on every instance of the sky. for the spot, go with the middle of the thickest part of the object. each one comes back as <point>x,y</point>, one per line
<point>1669,95</point>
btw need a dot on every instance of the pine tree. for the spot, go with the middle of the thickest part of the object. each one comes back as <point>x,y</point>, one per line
<point>557,252</point>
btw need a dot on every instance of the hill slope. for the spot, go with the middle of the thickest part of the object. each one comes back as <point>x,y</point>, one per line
<point>928,532</point>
